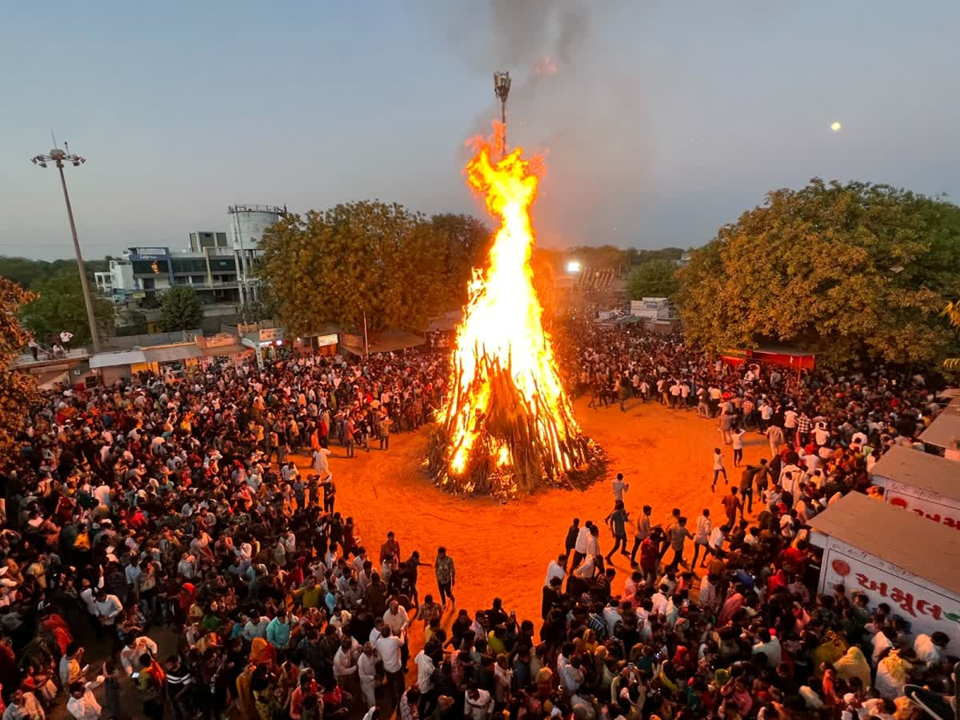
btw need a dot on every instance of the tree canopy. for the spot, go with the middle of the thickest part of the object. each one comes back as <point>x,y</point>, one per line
<point>398,267</point>
<point>180,309</point>
<point>844,270</point>
<point>17,390</point>
<point>654,278</point>
<point>59,306</point>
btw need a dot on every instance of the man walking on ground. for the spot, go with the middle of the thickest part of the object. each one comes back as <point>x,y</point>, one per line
<point>678,536</point>
<point>701,537</point>
<point>718,469</point>
<point>617,520</point>
<point>732,504</point>
<point>446,577</point>
<point>619,488</point>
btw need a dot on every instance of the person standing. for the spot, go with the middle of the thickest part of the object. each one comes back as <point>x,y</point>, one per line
<point>617,520</point>
<point>446,577</point>
<point>678,536</point>
<point>732,504</point>
<point>718,469</point>
<point>736,438</point>
<point>642,533</point>
<point>619,488</point>
<point>701,537</point>
<point>775,437</point>
<point>570,542</point>
<point>349,432</point>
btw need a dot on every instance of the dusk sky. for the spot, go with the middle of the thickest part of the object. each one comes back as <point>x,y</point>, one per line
<point>663,121</point>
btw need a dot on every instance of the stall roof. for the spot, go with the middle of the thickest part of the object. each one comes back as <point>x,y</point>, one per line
<point>389,341</point>
<point>916,545</point>
<point>944,431</point>
<point>221,350</point>
<point>116,359</point>
<point>920,470</point>
<point>170,353</point>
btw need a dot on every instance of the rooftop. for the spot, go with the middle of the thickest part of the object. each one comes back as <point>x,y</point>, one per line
<point>915,545</point>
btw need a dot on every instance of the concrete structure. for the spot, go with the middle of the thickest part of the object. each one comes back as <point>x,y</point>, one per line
<point>212,272</point>
<point>892,557</point>
<point>924,484</point>
<point>247,225</point>
<point>117,281</point>
<point>651,308</point>
<point>201,240</point>
<point>943,435</point>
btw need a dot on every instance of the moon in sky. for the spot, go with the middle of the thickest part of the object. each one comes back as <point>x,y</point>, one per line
<point>836,126</point>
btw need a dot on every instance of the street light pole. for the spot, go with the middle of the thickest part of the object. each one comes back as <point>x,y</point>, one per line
<point>58,156</point>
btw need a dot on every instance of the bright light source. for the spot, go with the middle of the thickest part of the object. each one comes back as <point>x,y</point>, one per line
<point>836,126</point>
<point>574,266</point>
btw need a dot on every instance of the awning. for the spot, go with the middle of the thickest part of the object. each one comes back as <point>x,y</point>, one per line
<point>915,545</point>
<point>222,350</point>
<point>116,359</point>
<point>944,431</point>
<point>390,341</point>
<point>172,353</point>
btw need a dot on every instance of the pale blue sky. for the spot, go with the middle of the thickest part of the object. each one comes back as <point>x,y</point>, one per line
<point>664,120</point>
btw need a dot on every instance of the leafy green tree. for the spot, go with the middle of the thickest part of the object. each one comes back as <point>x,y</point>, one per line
<point>463,242</point>
<point>844,270</point>
<point>18,391</point>
<point>654,278</point>
<point>59,306</point>
<point>360,258</point>
<point>180,309</point>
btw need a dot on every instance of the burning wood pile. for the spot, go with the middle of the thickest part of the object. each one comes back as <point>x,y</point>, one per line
<point>507,425</point>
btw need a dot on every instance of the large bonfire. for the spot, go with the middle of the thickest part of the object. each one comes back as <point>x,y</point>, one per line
<point>507,425</point>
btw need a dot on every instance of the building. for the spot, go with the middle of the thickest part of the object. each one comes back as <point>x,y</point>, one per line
<point>114,280</point>
<point>247,225</point>
<point>211,271</point>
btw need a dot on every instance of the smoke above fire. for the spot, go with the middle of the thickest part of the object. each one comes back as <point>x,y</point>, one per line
<point>586,120</point>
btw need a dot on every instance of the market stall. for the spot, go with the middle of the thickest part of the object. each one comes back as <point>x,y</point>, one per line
<point>925,484</point>
<point>868,546</point>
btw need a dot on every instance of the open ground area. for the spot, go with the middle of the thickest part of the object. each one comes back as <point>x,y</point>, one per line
<point>502,549</point>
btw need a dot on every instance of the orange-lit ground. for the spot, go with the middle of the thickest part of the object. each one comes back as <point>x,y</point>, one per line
<point>503,549</point>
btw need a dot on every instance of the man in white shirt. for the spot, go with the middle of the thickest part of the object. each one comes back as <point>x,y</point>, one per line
<point>367,670</point>
<point>701,536</point>
<point>396,618</point>
<point>930,648</point>
<point>556,569</point>
<point>132,652</point>
<point>388,648</point>
<point>82,704</point>
<point>256,627</point>
<point>107,607</point>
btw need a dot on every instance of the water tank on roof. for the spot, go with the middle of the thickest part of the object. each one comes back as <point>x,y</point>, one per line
<point>248,222</point>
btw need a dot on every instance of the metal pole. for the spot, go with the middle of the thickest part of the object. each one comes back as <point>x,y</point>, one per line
<point>366,342</point>
<point>87,300</point>
<point>503,121</point>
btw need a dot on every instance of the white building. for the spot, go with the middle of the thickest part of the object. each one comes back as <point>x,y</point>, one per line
<point>247,225</point>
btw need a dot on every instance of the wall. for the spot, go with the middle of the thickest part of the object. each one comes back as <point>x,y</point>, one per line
<point>927,607</point>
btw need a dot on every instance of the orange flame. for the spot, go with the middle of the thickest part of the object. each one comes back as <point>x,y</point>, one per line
<point>503,319</point>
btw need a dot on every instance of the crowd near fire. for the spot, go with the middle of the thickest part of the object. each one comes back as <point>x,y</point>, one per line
<point>366,462</point>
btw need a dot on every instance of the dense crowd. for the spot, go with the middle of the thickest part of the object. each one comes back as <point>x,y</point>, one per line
<point>171,507</point>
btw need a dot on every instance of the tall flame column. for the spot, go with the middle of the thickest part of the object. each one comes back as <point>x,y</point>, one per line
<point>507,424</point>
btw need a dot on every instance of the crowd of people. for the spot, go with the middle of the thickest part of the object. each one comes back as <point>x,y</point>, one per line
<point>169,512</point>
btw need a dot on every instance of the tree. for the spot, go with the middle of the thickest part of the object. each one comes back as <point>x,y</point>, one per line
<point>365,258</point>
<point>180,309</point>
<point>18,391</point>
<point>654,278</point>
<point>464,242</point>
<point>59,307</point>
<point>845,270</point>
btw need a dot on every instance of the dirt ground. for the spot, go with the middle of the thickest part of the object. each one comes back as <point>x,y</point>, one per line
<point>502,549</point>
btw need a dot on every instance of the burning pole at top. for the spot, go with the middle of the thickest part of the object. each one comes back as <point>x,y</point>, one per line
<point>501,86</point>
<point>507,425</point>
